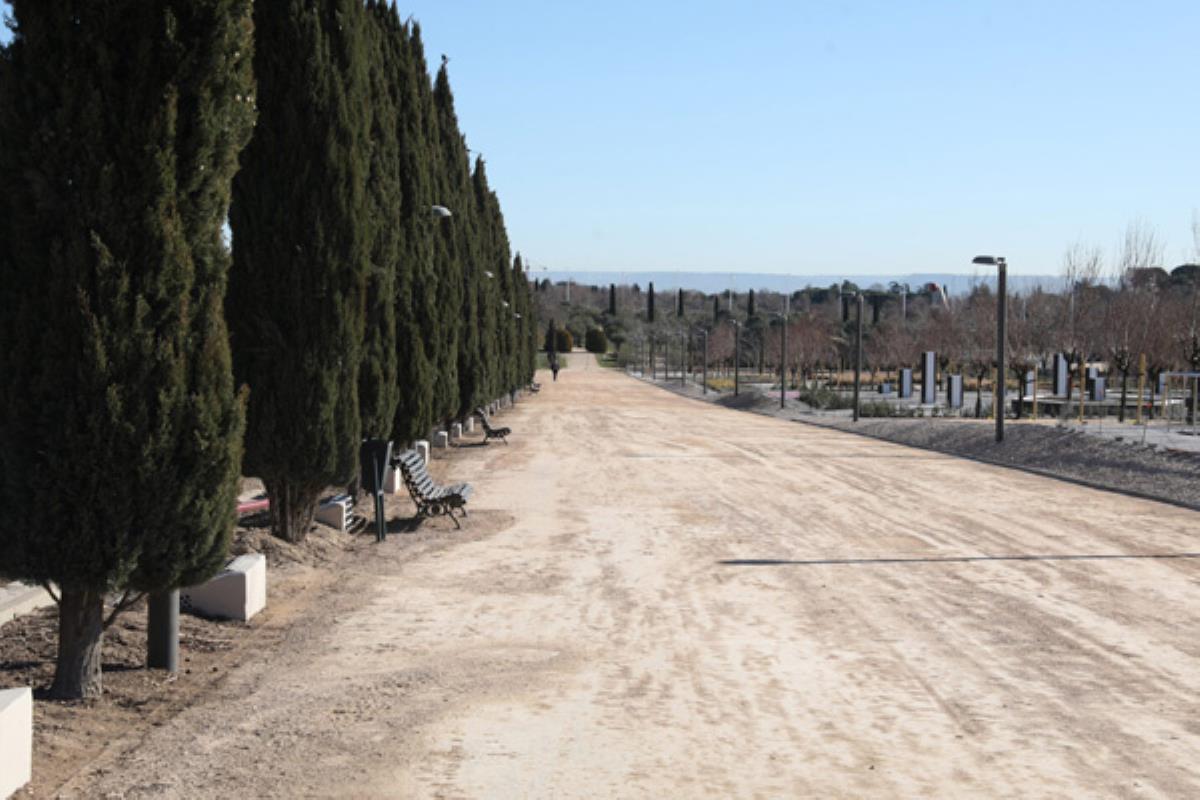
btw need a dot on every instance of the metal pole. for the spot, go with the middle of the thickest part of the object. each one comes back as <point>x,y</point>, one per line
<point>783,365</point>
<point>704,369</point>
<point>683,359</point>
<point>857,351</point>
<point>1001,312</point>
<point>1141,386</point>
<point>737,351</point>
<point>162,631</point>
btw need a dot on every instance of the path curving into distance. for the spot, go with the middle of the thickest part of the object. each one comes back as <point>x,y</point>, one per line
<point>687,601</point>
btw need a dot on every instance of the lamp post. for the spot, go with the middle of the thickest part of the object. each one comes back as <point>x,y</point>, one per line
<point>1001,311</point>
<point>858,303</point>
<point>737,361</point>
<point>787,306</point>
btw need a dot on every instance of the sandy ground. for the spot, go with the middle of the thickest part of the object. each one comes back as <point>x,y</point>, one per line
<point>657,598</point>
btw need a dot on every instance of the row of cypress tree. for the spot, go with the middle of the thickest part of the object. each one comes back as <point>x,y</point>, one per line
<point>146,363</point>
<point>407,318</point>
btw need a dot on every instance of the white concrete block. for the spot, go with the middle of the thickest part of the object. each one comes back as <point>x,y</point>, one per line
<point>441,439</point>
<point>423,448</point>
<point>238,592</point>
<point>335,512</point>
<point>471,424</point>
<point>16,739</point>
<point>393,481</point>
<point>456,431</point>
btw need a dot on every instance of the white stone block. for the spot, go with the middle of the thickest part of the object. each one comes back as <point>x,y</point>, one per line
<point>456,431</point>
<point>393,481</point>
<point>423,448</point>
<point>335,512</point>
<point>238,592</point>
<point>441,439</point>
<point>16,739</point>
<point>471,424</point>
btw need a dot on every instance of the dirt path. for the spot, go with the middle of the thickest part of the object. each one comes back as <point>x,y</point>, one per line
<point>676,600</point>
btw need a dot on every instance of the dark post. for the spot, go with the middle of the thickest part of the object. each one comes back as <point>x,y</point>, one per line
<point>1001,312</point>
<point>704,369</point>
<point>162,631</point>
<point>653,363</point>
<point>783,364</point>
<point>683,351</point>
<point>737,352</point>
<point>858,320</point>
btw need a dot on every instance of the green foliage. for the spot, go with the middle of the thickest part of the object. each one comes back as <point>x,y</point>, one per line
<point>297,290</point>
<point>650,303</point>
<point>120,426</point>
<point>564,342</point>
<point>596,341</point>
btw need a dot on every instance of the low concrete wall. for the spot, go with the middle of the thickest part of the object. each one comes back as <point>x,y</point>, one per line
<point>16,739</point>
<point>441,439</point>
<point>423,448</point>
<point>239,592</point>
<point>335,512</point>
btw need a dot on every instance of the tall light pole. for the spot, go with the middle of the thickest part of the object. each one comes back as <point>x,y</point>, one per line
<point>1001,312</point>
<point>858,303</point>
<point>737,361</point>
<point>787,306</point>
<point>704,368</point>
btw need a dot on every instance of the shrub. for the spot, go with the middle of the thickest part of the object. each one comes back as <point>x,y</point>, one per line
<point>595,341</point>
<point>564,342</point>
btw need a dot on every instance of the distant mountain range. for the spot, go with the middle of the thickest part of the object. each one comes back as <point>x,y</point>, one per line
<point>713,282</point>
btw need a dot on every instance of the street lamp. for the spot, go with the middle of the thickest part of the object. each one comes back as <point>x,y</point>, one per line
<point>1001,311</point>
<point>737,352</point>
<point>440,211</point>
<point>858,303</point>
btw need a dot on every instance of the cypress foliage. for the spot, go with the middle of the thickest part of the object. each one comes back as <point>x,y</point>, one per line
<point>449,156</point>
<point>120,427</point>
<point>679,304</point>
<point>750,309</point>
<point>650,303</point>
<point>612,299</point>
<point>297,289</point>
<point>527,329</point>
<point>415,283</point>
<point>378,381</point>
<point>716,309</point>
<point>489,295</point>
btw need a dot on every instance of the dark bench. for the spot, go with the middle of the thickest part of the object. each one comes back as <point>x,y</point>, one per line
<point>489,432</point>
<point>432,500</point>
<point>535,387</point>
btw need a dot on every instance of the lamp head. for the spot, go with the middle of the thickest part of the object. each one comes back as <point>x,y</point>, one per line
<point>440,211</point>
<point>991,261</point>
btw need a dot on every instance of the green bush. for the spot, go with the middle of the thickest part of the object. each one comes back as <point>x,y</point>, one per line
<point>564,342</point>
<point>595,341</point>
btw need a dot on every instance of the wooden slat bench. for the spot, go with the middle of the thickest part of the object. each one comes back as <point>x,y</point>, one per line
<point>431,499</point>
<point>490,432</point>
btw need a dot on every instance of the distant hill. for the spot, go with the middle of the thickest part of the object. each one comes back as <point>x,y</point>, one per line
<point>713,282</point>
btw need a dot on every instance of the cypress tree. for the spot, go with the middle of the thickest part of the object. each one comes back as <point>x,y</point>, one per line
<point>415,282</point>
<point>650,303</point>
<point>716,309</point>
<point>679,304</point>
<point>378,381</point>
<point>297,290</point>
<point>120,429</point>
<point>750,310</point>
<point>449,173</point>
<point>612,299</point>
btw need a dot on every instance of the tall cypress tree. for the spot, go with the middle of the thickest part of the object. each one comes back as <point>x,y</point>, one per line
<point>750,309</point>
<point>650,303</point>
<point>679,304</point>
<point>416,285</point>
<point>378,376</point>
<point>447,164</point>
<point>716,309</point>
<point>612,299</point>
<point>298,287</point>
<point>120,429</point>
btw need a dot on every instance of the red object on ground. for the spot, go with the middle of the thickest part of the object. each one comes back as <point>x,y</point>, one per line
<point>251,506</point>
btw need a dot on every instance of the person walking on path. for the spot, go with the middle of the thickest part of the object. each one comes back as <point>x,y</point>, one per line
<point>554,365</point>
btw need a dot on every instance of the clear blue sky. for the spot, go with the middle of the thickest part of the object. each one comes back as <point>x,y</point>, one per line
<point>823,136</point>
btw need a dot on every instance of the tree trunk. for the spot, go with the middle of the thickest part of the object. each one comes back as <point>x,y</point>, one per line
<point>1020,393</point>
<point>292,508</point>
<point>1124,388</point>
<point>979,395</point>
<point>80,636</point>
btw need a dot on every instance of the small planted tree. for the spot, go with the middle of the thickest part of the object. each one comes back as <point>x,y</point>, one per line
<point>120,427</point>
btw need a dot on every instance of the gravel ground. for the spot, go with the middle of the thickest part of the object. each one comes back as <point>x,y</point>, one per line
<point>1065,453</point>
